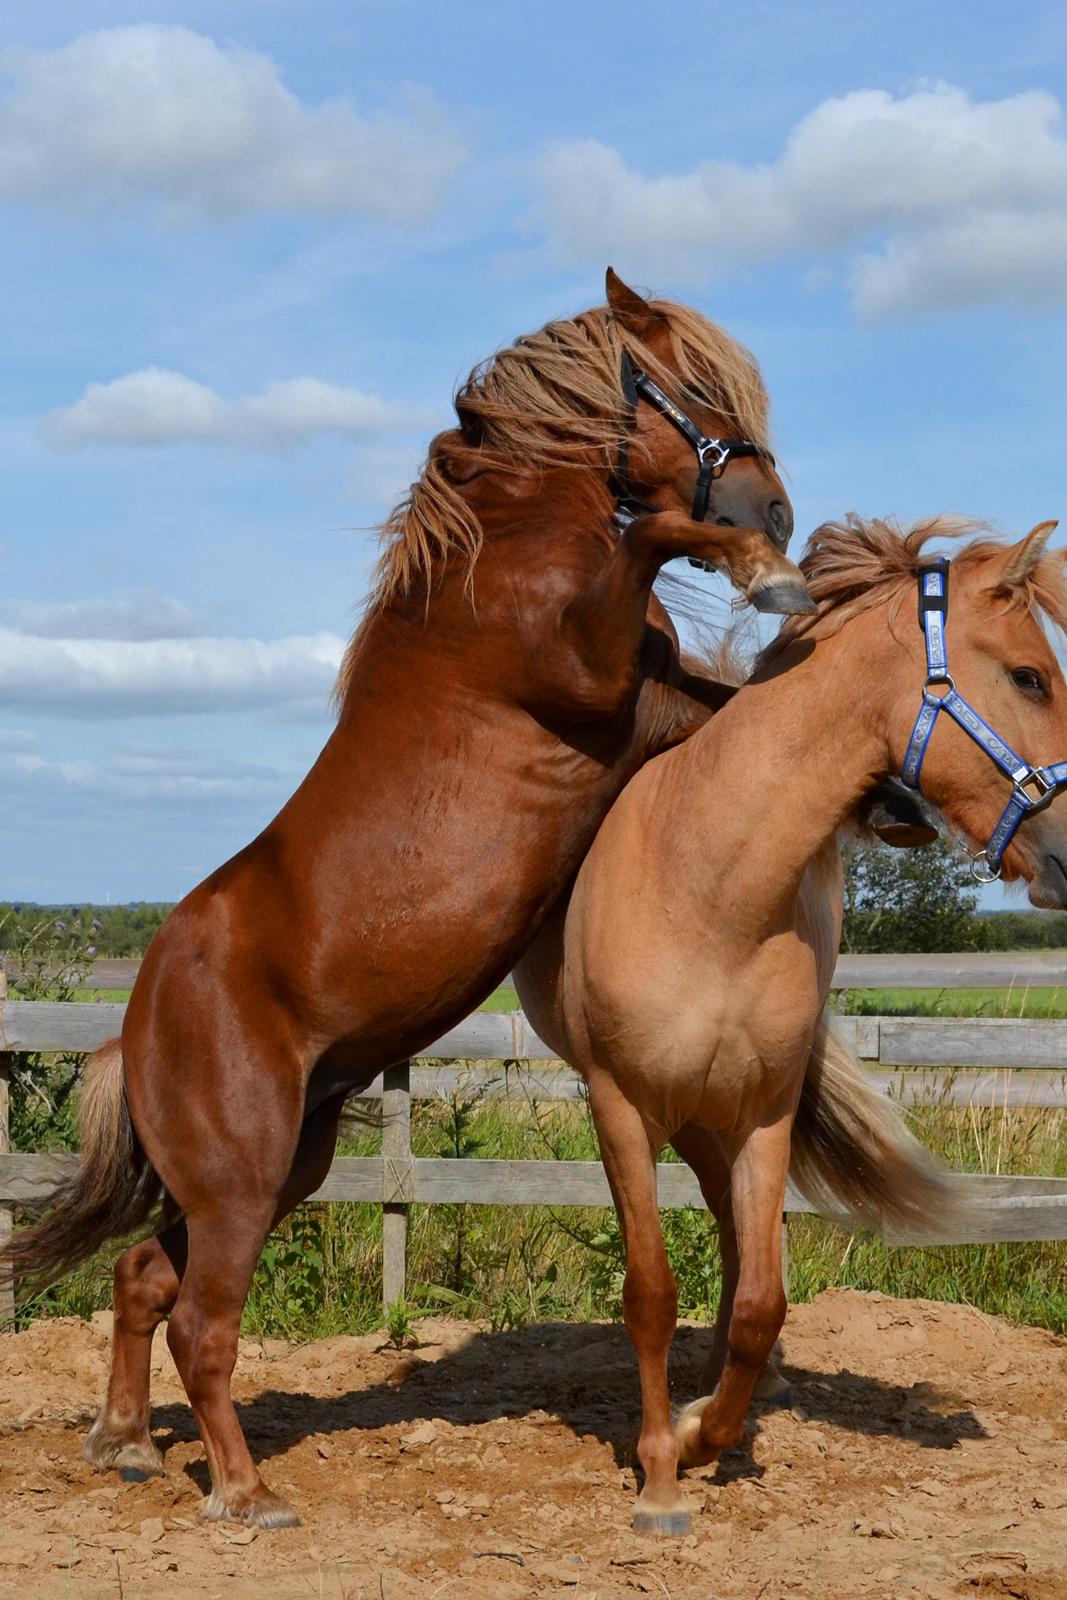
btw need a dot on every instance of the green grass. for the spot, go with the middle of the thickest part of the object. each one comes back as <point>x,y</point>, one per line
<point>320,1274</point>
<point>504,999</point>
<point>1018,1002</point>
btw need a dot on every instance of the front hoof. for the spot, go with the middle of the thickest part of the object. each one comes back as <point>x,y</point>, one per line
<point>259,1510</point>
<point>664,1524</point>
<point>786,599</point>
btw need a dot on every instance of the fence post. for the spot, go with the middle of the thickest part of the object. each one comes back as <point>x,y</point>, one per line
<point>396,1180</point>
<point>785,1254</point>
<point>7,1212</point>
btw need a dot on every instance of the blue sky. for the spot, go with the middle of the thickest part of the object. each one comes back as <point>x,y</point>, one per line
<point>249,249</point>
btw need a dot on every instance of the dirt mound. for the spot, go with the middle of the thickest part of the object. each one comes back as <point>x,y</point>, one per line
<point>923,1455</point>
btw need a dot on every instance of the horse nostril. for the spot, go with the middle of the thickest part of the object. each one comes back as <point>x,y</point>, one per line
<point>780,515</point>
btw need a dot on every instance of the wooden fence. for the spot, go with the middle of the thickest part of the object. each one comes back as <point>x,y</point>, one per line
<point>1000,1062</point>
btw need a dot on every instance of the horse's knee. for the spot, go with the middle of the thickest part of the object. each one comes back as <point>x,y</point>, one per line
<point>650,1301</point>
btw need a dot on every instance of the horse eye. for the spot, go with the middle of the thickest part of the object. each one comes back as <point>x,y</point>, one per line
<point>1029,680</point>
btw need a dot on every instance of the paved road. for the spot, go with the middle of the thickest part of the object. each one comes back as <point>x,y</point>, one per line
<point>994,970</point>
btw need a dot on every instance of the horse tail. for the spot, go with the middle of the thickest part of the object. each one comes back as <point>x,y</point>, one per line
<point>852,1150</point>
<point>113,1190</point>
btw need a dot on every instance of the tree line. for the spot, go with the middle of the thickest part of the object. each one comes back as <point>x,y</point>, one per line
<point>895,900</point>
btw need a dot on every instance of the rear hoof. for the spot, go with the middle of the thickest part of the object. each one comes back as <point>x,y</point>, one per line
<point>664,1524</point>
<point>780,1397</point>
<point>784,599</point>
<point>137,1460</point>
<point>260,1510</point>
<point>687,1433</point>
<point>772,1389</point>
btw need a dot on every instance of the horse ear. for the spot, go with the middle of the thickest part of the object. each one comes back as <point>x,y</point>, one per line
<point>632,311</point>
<point>1021,559</point>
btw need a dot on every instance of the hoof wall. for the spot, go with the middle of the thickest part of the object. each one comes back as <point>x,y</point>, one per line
<point>783,599</point>
<point>265,1511</point>
<point>135,1475</point>
<point>666,1524</point>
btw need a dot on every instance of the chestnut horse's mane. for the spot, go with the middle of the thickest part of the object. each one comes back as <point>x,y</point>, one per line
<point>856,564</point>
<point>554,398</point>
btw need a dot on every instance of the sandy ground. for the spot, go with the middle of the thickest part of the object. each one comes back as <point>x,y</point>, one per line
<point>924,1455</point>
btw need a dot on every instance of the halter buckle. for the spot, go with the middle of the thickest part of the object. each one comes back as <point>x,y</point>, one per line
<point>1046,789</point>
<point>982,869</point>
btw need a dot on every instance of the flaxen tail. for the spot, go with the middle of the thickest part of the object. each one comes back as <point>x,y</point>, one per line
<point>112,1191</point>
<point>852,1151</point>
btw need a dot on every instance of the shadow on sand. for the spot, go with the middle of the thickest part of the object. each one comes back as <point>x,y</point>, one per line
<point>586,1376</point>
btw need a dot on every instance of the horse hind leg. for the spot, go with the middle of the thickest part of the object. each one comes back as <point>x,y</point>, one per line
<point>702,1152</point>
<point>225,1240</point>
<point>715,1422</point>
<point>147,1279</point>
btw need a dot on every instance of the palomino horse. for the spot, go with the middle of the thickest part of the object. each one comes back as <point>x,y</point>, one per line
<point>686,978</point>
<point>512,672</point>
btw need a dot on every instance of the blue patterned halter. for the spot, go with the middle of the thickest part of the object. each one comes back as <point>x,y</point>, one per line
<point>1033,788</point>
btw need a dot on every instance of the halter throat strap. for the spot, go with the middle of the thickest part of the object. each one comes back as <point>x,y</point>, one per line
<point>1033,788</point>
<point>713,455</point>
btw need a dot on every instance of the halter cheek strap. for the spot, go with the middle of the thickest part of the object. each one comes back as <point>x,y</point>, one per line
<point>1033,788</point>
<point>713,455</point>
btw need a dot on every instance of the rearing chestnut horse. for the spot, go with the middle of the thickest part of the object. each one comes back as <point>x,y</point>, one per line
<point>512,672</point>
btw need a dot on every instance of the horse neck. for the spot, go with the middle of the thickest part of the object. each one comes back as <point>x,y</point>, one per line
<point>786,762</point>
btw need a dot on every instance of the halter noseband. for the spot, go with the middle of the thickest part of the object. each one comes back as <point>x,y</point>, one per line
<point>1046,781</point>
<point>713,455</point>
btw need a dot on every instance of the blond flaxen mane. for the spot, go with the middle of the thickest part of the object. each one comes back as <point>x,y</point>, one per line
<point>554,398</point>
<point>856,564</point>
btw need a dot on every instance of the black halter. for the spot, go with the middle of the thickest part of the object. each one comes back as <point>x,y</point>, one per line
<point>713,455</point>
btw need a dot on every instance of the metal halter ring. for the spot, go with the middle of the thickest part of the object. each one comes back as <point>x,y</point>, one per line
<point>938,680</point>
<point>981,869</point>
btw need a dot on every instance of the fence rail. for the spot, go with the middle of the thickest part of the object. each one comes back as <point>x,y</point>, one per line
<point>1000,1062</point>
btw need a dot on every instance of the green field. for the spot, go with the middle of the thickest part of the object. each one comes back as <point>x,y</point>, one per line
<point>865,1002</point>
<point>1020,1002</point>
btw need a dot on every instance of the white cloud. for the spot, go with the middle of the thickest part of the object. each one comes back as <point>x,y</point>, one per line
<point>156,407</point>
<point>935,199</point>
<point>167,117</point>
<point>154,774</point>
<point>134,616</point>
<point>136,677</point>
